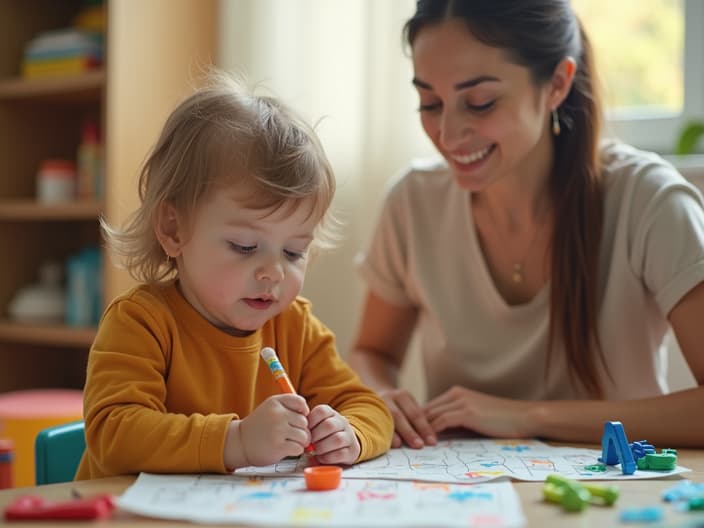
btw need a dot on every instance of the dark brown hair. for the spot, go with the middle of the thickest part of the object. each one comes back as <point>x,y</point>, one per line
<point>538,34</point>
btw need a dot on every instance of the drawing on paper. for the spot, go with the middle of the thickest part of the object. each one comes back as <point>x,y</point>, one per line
<point>357,502</point>
<point>472,460</point>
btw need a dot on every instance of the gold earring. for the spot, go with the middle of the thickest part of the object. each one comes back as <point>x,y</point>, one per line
<point>555,123</point>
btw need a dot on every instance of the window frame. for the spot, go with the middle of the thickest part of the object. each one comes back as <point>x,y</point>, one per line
<point>659,133</point>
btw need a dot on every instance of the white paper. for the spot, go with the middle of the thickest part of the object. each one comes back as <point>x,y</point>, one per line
<point>357,502</point>
<point>472,460</point>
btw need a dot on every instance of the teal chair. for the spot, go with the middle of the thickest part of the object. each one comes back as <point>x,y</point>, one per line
<point>57,452</point>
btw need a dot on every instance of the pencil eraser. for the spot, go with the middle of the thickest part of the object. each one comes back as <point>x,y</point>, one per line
<point>268,353</point>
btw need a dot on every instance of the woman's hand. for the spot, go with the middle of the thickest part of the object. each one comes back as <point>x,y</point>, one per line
<point>332,435</point>
<point>479,412</point>
<point>410,423</point>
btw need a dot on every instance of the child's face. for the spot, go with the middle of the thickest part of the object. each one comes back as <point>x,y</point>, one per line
<point>240,267</point>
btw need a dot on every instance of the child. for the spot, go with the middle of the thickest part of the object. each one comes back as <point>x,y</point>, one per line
<point>234,196</point>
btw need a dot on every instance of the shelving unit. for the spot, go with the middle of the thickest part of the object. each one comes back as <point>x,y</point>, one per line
<point>155,50</point>
<point>30,210</point>
<point>73,88</point>
<point>40,119</point>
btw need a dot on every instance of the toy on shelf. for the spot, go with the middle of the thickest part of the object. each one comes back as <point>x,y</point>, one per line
<point>90,163</point>
<point>56,181</point>
<point>41,302</point>
<point>84,291</point>
<point>68,50</point>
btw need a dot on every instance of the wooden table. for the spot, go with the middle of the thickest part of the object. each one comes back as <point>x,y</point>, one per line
<point>634,493</point>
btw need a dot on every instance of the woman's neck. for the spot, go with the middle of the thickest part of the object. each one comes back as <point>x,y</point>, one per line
<point>522,197</point>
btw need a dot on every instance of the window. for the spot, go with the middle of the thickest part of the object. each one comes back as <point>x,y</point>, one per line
<point>647,55</point>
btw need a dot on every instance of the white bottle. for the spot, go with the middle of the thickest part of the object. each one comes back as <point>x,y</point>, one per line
<point>56,181</point>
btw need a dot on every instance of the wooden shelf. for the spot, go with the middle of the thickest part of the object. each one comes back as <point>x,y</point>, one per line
<point>30,210</point>
<point>80,87</point>
<point>46,334</point>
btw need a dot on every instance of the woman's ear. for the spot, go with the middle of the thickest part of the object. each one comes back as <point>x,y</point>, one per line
<point>169,229</point>
<point>561,81</point>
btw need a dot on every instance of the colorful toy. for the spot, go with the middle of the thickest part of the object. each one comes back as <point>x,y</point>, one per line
<point>683,491</point>
<point>641,448</point>
<point>665,460</point>
<point>605,495</point>
<point>615,448</point>
<point>568,493</point>
<point>695,504</point>
<point>641,515</point>
<point>575,496</point>
<point>32,507</point>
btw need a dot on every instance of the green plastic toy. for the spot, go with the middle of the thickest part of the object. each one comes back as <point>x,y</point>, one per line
<point>568,493</point>
<point>665,460</point>
<point>575,496</point>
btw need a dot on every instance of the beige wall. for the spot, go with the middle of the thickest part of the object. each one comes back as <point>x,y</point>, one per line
<point>156,50</point>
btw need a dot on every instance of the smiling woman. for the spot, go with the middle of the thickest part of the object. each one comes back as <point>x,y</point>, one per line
<point>536,262</point>
<point>354,75</point>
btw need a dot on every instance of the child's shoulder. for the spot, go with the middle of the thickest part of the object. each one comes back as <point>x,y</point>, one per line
<point>146,292</point>
<point>299,314</point>
<point>300,307</point>
<point>149,296</point>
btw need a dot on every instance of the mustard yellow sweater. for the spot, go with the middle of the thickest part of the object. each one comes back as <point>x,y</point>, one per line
<point>163,384</point>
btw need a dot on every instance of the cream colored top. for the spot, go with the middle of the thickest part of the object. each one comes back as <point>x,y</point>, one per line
<point>425,253</point>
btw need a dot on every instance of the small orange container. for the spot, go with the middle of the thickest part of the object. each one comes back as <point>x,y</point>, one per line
<point>322,478</point>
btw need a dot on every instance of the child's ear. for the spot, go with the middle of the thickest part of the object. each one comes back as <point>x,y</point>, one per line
<point>169,229</point>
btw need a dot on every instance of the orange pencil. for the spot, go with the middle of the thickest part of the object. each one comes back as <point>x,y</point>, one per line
<point>272,360</point>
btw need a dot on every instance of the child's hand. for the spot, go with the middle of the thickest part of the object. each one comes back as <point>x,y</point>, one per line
<point>334,439</point>
<point>276,429</point>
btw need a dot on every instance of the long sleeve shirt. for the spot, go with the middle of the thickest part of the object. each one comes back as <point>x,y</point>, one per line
<point>163,384</point>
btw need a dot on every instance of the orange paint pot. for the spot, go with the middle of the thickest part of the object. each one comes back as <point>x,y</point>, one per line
<point>322,478</point>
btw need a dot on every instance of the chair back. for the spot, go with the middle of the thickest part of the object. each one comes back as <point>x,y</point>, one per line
<point>57,452</point>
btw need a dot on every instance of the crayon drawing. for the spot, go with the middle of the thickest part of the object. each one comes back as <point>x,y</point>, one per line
<point>357,502</point>
<point>472,460</point>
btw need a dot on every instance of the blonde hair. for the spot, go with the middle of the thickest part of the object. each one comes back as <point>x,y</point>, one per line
<point>223,134</point>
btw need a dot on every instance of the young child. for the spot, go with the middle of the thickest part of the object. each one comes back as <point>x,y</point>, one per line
<point>234,197</point>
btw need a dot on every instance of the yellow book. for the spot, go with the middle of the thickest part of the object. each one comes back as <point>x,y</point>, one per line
<point>57,67</point>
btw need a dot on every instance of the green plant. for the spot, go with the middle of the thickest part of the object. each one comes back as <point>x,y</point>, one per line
<point>687,140</point>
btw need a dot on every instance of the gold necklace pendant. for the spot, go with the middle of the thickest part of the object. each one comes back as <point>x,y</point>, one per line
<point>517,274</point>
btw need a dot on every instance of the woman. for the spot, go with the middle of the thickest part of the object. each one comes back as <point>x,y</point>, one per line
<point>541,267</point>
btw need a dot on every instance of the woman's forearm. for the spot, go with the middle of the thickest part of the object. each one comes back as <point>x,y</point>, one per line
<point>376,372</point>
<point>673,420</point>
